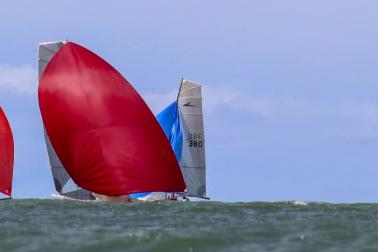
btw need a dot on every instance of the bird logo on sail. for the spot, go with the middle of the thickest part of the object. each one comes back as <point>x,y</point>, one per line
<point>188,104</point>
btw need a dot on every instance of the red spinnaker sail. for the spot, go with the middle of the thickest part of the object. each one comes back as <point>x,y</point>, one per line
<point>103,132</point>
<point>6,155</point>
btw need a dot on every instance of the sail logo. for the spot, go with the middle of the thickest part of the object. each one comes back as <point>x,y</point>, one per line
<point>188,104</point>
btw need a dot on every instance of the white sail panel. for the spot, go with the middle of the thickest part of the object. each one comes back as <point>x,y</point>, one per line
<point>61,178</point>
<point>192,163</point>
<point>154,196</point>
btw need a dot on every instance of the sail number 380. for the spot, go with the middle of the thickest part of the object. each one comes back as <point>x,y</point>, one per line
<point>195,140</point>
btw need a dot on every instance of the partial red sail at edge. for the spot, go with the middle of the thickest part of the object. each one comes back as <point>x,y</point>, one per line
<point>104,134</point>
<point>6,155</point>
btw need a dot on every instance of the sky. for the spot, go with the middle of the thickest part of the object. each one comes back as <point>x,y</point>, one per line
<point>290,87</point>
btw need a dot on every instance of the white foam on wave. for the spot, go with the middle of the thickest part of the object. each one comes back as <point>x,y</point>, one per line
<point>298,203</point>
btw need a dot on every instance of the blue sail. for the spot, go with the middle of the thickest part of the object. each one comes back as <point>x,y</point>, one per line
<point>169,120</point>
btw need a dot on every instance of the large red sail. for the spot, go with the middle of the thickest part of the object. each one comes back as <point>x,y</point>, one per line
<point>103,132</point>
<point>6,155</point>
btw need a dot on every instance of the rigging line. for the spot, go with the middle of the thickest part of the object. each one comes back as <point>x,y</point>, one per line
<point>178,95</point>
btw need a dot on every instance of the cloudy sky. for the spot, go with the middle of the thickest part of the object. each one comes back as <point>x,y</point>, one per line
<point>291,87</point>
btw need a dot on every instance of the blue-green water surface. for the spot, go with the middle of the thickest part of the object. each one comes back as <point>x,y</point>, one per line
<point>54,225</point>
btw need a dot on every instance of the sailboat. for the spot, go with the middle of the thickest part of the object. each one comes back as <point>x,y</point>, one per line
<point>182,122</point>
<point>101,137</point>
<point>6,156</point>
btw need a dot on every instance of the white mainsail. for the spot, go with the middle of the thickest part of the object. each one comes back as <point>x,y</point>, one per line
<point>193,165</point>
<point>62,180</point>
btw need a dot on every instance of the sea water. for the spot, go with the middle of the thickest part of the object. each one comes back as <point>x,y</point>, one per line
<point>53,225</point>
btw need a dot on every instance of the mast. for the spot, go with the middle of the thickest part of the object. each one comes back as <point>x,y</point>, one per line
<point>178,94</point>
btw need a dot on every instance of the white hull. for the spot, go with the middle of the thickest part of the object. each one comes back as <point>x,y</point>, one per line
<point>59,196</point>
